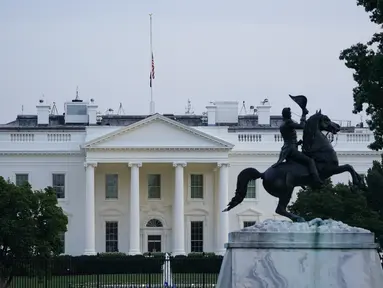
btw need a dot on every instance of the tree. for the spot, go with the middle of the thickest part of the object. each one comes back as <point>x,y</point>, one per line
<point>374,191</point>
<point>340,202</point>
<point>367,62</point>
<point>30,226</point>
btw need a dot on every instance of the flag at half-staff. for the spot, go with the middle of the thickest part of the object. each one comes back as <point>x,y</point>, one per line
<point>152,76</point>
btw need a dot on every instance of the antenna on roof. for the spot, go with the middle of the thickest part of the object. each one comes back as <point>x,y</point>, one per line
<point>361,125</point>
<point>252,108</point>
<point>77,99</point>
<point>121,110</point>
<point>41,100</point>
<point>189,108</point>
<point>22,109</point>
<point>265,101</point>
<point>243,108</point>
<point>109,111</point>
<point>54,110</point>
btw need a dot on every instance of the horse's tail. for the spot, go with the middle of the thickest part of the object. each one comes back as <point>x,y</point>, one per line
<point>243,180</point>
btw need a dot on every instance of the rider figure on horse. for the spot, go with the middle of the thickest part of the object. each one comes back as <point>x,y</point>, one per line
<point>289,149</point>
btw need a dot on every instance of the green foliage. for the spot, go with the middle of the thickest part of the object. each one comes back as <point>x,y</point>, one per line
<point>30,226</point>
<point>374,180</point>
<point>112,254</point>
<point>155,254</point>
<point>355,207</point>
<point>124,264</point>
<point>374,191</point>
<point>367,62</point>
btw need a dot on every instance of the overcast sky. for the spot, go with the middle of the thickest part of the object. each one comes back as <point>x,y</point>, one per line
<point>204,50</point>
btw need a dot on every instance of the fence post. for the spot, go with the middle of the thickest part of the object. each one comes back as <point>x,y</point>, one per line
<point>203,279</point>
<point>46,273</point>
<point>150,279</point>
<point>98,272</point>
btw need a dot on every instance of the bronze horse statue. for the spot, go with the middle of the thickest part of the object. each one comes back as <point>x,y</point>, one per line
<point>280,181</point>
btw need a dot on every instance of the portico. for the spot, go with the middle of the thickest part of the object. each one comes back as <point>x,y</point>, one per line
<point>156,185</point>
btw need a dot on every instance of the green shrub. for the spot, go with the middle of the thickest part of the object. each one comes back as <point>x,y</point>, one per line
<point>119,263</point>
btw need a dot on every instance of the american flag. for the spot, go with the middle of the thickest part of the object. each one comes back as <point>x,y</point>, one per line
<point>152,71</point>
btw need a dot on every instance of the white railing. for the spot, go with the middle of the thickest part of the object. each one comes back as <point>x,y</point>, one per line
<point>343,137</point>
<point>59,137</point>
<point>249,137</point>
<point>22,137</point>
<point>265,140</point>
<point>357,138</point>
<point>33,137</point>
<point>41,141</point>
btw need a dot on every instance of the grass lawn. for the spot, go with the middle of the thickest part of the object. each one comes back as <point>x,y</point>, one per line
<point>117,280</point>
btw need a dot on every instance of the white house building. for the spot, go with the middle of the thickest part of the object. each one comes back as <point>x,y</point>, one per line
<point>134,184</point>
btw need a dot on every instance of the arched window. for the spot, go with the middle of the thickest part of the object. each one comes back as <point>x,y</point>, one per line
<point>154,223</point>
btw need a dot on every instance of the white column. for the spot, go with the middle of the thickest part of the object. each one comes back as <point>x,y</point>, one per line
<point>178,211</point>
<point>134,218</point>
<point>90,232</point>
<point>223,197</point>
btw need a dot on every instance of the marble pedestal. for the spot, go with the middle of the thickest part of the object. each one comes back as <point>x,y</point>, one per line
<point>315,254</point>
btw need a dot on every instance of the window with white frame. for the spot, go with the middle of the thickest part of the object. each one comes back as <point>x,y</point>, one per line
<point>196,186</point>
<point>62,243</point>
<point>111,236</point>
<point>21,178</point>
<point>111,186</point>
<point>248,223</point>
<point>196,236</point>
<point>251,190</point>
<point>154,186</point>
<point>58,184</point>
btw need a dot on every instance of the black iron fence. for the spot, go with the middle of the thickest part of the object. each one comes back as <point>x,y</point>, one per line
<point>107,271</point>
<point>118,271</point>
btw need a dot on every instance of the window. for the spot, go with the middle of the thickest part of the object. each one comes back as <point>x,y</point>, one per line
<point>251,190</point>
<point>248,223</point>
<point>154,243</point>
<point>62,243</point>
<point>111,236</point>
<point>154,186</point>
<point>196,186</point>
<point>153,223</point>
<point>111,186</point>
<point>21,179</point>
<point>58,184</point>
<point>196,236</point>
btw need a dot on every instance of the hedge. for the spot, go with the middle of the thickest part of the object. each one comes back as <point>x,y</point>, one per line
<point>119,263</point>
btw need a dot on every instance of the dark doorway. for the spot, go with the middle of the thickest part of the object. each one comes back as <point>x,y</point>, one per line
<point>154,243</point>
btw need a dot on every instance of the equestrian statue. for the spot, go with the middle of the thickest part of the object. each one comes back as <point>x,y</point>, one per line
<point>310,167</point>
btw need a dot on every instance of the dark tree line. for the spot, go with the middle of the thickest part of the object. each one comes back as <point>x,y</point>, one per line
<point>343,202</point>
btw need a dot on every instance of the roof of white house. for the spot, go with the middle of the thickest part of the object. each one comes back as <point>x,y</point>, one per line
<point>219,113</point>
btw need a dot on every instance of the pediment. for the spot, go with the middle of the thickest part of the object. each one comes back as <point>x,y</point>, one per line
<point>110,212</point>
<point>249,212</point>
<point>197,211</point>
<point>157,132</point>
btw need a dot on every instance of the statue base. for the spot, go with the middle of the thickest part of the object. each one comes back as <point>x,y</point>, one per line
<point>315,254</point>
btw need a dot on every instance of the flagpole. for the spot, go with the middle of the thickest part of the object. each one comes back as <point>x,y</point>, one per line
<point>152,106</point>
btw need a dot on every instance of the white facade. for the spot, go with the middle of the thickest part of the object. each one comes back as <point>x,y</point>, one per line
<point>173,156</point>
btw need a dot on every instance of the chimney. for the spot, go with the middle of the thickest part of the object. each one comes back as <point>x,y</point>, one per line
<point>211,115</point>
<point>42,113</point>
<point>263,112</point>
<point>92,112</point>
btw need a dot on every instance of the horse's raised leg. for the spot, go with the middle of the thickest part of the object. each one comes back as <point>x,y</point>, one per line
<point>356,179</point>
<point>282,206</point>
